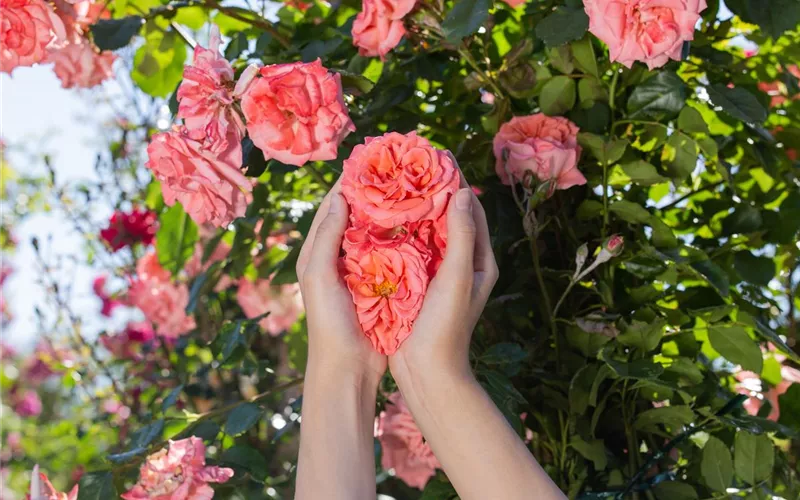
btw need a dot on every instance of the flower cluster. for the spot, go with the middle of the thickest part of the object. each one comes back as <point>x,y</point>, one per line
<point>398,188</point>
<point>404,449</point>
<point>125,229</point>
<point>651,31</point>
<point>378,28</point>
<point>180,472</point>
<point>293,112</point>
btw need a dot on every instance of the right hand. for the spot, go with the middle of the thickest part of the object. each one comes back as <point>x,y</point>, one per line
<point>455,298</point>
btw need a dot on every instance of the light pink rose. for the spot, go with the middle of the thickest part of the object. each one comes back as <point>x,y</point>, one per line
<point>43,489</point>
<point>27,404</point>
<point>651,31</point>
<point>403,447</point>
<point>378,28</point>
<point>543,145</point>
<point>27,29</point>
<point>283,302</point>
<point>178,474</point>
<point>210,185</point>
<point>205,98</point>
<point>81,65</point>
<point>295,112</point>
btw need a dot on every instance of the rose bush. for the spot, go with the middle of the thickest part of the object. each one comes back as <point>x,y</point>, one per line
<point>636,160</point>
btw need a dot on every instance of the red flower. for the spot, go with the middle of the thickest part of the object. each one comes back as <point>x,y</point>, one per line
<point>127,229</point>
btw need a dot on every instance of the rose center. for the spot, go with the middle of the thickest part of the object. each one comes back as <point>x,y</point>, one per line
<point>385,289</point>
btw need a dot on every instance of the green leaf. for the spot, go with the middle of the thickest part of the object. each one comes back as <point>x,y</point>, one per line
<point>663,95</point>
<point>113,34</point>
<point>147,434</point>
<point>589,344</point>
<point>355,84</point>
<point>97,486</point>
<point>158,64</point>
<point>562,26</point>
<point>643,173</point>
<point>580,388</point>
<point>465,18</point>
<point>438,490</point>
<point>674,417</point>
<point>591,90</point>
<point>789,403</point>
<point>663,237</point>
<point>643,335</point>
<point>607,151</point>
<point>507,356</point>
<point>714,274</point>
<point>297,343</point>
<point>171,398</point>
<point>773,16</point>
<point>558,95</point>
<point>735,345</point>
<point>594,450</point>
<point>583,53</point>
<point>236,46</point>
<point>246,458</point>
<point>756,270</point>
<point>241,418</point>
<point>716,465</point>
<point>737,102</point>
<point>674,490</point>
<point>691,121</point>
<point>680,155</point>
<point>630,212</point>
<point>744,219</point>
<point>639,369</point>
<point>175,239</point>
<point>753,457</point>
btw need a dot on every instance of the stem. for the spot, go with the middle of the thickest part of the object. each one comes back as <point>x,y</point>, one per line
<point>613,90</point>
<point>605,199</point>
<point>317,175</point>
<point>707,187</point>
<point>563,296</point>
<point>462,50</point>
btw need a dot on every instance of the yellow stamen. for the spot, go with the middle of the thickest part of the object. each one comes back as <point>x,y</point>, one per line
<point>385,289</point>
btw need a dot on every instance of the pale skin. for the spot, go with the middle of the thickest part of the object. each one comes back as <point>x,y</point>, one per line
<point>480,453</point>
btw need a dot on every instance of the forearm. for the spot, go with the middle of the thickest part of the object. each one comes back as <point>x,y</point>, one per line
<point>479,451</point>
<point>336,435</point>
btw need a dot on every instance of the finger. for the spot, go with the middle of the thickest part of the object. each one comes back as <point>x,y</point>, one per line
<point>484,256</point>
<point>308,244</point>
<point>328,238</point>
<point>458,258</point>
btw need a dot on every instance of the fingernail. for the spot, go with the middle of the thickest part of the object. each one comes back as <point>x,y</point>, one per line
<point>336,204</point>
<point>463,199</point>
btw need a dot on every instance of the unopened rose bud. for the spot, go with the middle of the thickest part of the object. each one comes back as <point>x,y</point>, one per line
<point>611,248</point>
<point>580,257</point>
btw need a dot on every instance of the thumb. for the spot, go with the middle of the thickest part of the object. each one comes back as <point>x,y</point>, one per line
<point>328,239</point>
<point>458,257</point>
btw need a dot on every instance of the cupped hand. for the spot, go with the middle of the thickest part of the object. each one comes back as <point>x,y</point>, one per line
<point>335,338</point>
<point>455,298</point>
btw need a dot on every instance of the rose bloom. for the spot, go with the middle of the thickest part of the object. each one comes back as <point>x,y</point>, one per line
<point>27,404</point>
<point>283,302</point>
<point>298,4</point>
<point>128,343</point>
<point>209,185</point>
<point>750,384</point>
<point>109,303</point>
<point>515,3</point>
<point>404,448</point>
<point>388,286</point>
<point>778,92</point>
<point>127,229</point>
<point>295,112</point>
<point>27,29</point>
<point>205,98</point>
<point>651,31</point>
<point>180,473</point>
<point>543,145</point>
<point>42,488</point>
<point>378,28</point>
<point>195,264</point>
<point>81,65</point>
<point>396,178</point>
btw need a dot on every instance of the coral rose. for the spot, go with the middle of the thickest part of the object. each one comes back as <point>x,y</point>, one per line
<point>545,146</point>
<point>27,29</point>
<point>651,31</point>
<point>378,28</point>
<point>43,489</point>
<point>209,185</point>
<point>515,3</point>
<point>403,446</point>
<point>388,286</point>
<point>395,179</point>
<point>283,303</point>
<point>205,98</point>
<point>80,65</point>
<point>180,473</point>
<point>295,112</point>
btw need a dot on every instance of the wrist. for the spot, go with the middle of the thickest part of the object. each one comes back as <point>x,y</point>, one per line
<point>342,375</point>
<point>422,380</point>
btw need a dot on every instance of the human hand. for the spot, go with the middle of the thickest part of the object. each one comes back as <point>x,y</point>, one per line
<point>335,338</point>
<point>455,298</point>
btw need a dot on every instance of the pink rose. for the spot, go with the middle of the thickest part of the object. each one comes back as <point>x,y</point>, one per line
<point>378,28</point>
<point>651,31</point>
<point>395,179</point>
<point>81,65</point>
<point>205,98</point>
<point>162,302</point>
<point>404,449</point>
<point>210,185</point>
<point>27,29</point>
<point>46,361</point>
<point>295,112</point>
<point>750,384</point>
<point>180,473</point>
<point>515,3</point>
<point>77,16</point>
<point>109,303</point>
<point>388,286</point>
<point>128,343</point>
<point>42,488</point>
<point>27,404</point>
<point>283,303</point>
<point>543,145</point>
